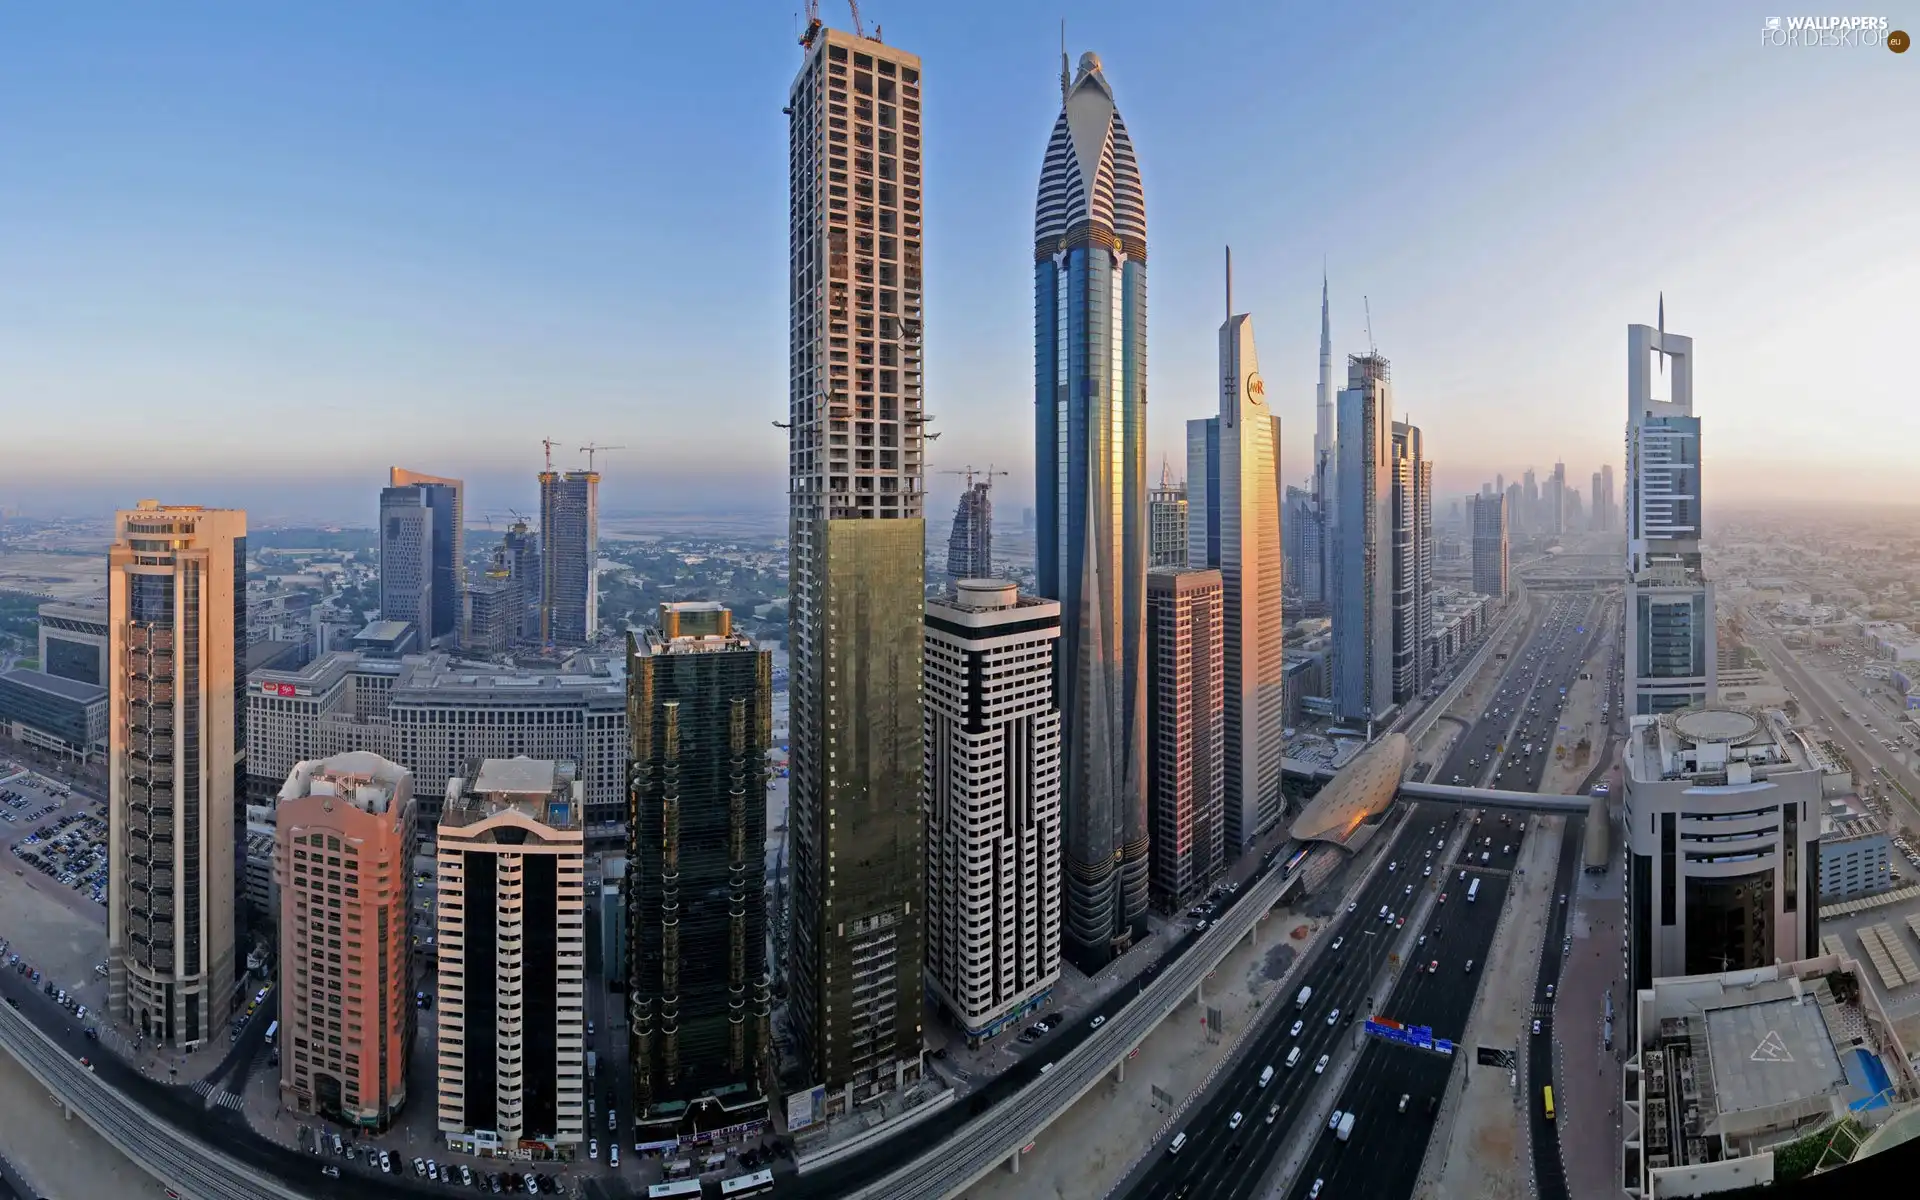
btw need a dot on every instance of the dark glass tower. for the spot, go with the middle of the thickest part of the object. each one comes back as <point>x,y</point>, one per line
<point>1090,426</point>
<point>700,703</point>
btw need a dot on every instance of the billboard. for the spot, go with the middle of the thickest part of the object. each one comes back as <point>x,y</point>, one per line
<point>805,1108</point>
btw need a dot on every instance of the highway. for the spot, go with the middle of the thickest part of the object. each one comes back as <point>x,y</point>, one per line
<point>1549,1171</point>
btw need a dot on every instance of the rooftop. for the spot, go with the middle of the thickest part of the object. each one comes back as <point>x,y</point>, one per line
<point>361,777</point>
<point>1363,788</point>
<point>55,685</point>
<point>546,790</point>
<point>1715,745</point>
<point>1771,1053</point>
<point>503,777</point>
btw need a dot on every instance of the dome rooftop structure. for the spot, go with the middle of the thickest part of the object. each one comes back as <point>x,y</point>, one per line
<point>1363,788</point>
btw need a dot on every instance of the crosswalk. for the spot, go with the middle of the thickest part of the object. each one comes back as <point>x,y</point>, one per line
<point>219,1096</point>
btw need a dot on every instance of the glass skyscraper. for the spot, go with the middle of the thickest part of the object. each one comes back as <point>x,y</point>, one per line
<point>1090,425</point>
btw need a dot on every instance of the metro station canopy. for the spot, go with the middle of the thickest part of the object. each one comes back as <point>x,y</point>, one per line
<point>1363,789</point>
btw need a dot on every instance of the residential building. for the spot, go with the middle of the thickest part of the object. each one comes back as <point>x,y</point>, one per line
<point>1186,736</point>
<point>177,606</point>
<point>1167,523</point>
<point>511,922</point>
<point>73,640</point>
<point>1412,562</point>
<point>570,557</point>
<point>343,848</point>
<point>1363,557</point>
<point>445,551</point>
<point>1490,546</point>
<point>857,567</point>
<point>59,715</point>
<point>1856,852</point>
<point>1249,561</point>
<point>970,544</point>
<point>406,559</point>
<point>699,999</point>
<point>1090,340</point>
<point>992,786</point>
<point>1671,661</point>
<point>1723,810</point>
<point>432,713</point>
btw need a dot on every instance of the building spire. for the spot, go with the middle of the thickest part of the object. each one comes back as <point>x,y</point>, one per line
<point>1663,332</point>
<point>1066,80</point>
<point>1229,283</point>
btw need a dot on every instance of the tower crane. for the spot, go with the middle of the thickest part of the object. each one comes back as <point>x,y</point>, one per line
<point>815,25</point>
<point>591,448</point>
<point>549,443</point>
<point>969,472</point>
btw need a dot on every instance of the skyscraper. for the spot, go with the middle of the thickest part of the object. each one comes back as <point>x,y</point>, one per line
<point>352,813</point>
<point>1597,516</point>
<point>406,558</point>
<point>857,533</point>
<point>177,613</point>
<point>1671,660</point>
<point>1363,550</point>
<point>1301,531</point>
<point>522,547</point>
<point>992,782</point>
<point>1490,546</point>
<point>1612,502</point>
<point>1325,448</point>
<point>1185,736</point>
<point>1090,346</point>
<point>1412,561</point>
<point>447,552</point>
<point>699,997</point>
<point>1556,499</point>
<point>1310,529</point>
<point>1167,523</point>
<point>970,545</point>
<point>512,957</point>
<point>570,557</point>
<point>1529,514</point>
<point>1248,538</point>
<point>492,611</point>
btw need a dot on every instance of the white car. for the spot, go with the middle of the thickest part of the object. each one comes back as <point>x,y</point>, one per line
<point>593,1148</point>
<point>1098,1022</point>
<point>1427,873</point>
<point>1320,1068</point>
<point>1353,905</point>
<point>1297,1027</point>
<point>1234,1121</point>
<point>1391,866</point>
<point>1536,1026</point>
<point>1333,1017</point>
<point>1409,889</point>
<point>1333,1122</point>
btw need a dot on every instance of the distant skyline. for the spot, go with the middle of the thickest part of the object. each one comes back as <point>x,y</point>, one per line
<point>257,260</point>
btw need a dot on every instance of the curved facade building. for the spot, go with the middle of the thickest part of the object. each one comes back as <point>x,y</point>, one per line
<point>1090,426</point>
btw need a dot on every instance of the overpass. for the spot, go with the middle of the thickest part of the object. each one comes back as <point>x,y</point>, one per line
<point>185,1164</point>
<point>1472,797</point>
<point>1001,1134</point>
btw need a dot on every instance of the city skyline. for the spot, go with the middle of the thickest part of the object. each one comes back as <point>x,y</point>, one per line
<point>276,322</point>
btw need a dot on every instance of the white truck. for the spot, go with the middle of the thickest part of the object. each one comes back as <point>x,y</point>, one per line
<point>1300,1001</point>
<point>1346,1126</point>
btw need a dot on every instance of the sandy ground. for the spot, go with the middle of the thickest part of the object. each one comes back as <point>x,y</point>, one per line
<point>1481,1147</point>
<point>62,1159</point>
<point>62,576</point>
<point>1089,1149</point>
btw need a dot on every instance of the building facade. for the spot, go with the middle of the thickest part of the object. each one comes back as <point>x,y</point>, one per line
<point>177,606</point>
<point>1671,661</point>
<point>1090,342</point>
<point>970,544</point>
<point>992,785</point>
<point>1363,545</point>
<point>857,566</point>
<point>446,550</point>
<point>1490,545</point>
<point>699,998</point>
<point>570,557</point>
<point>56,714</point>
<point>1856,853</point>
<point>406,559</point>
<point>1167,524</point>
<point>1723,810</point>
<point>1186,737</point>
<point>1412,562</point>
<point>512,960</point>
<point>343,848</point>
<point>73,640</point>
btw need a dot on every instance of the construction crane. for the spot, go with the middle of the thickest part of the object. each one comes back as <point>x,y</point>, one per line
<point>1372,350</point>
<point>549,443</point>
<point>969,472</point>
<point>815,25</point>
<point>591,448</point>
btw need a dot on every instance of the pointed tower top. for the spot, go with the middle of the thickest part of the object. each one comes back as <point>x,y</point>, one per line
<point>1229,283</point>
<point>1066,80</point>
<point>1663,332</point>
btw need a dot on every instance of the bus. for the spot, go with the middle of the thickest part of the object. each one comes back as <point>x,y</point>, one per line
<point>671,1191</point>
<point>747,1185</point>
<point>272,1031</point>
<point>1547,1093</point>
<point>1473,890</point>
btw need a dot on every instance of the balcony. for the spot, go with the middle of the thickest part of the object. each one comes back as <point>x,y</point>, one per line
<point>155,749</point>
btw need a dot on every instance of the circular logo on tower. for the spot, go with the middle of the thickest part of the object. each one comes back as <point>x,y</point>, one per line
<point>1256,387</point>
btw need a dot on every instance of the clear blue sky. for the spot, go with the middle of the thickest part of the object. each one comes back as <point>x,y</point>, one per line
<point>253,254</point>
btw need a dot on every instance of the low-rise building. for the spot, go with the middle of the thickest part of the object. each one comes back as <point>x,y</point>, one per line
<point>1729,1068</point>
<point>1856,852</point>
<point>73,640</point>
<point>54,713</point>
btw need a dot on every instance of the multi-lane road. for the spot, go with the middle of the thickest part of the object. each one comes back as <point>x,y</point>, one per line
<point>1383,1155</point>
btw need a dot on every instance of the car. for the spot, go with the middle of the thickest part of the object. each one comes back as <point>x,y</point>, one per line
<point>1429,854</point>
<point>1353,905</point>
<point>330,1171</point>
<point>1098,1022</point>
<point>1433,968</point>
<point>1404,1097</point>
<point>1333,1120</point>
<point>1297,1027</point>
<point>1233,1122</point>
<point>1391,866</point>
<point>1383,912</point>
<point>1272,1113</point>
<point>1409,889</point>
<point>593,1146</point>
<point>1463,874</point>
<point>1469,964</point>
<point>1536,1026</point>
<point>1549,991</point>
<point>1320,1068</point>
<point>1333,1017</point>
<point>1422,941</point>
<point>1400,923</point>
<point>1313,1193</point>
<point>420,1167</point>
<point>1443,897</point>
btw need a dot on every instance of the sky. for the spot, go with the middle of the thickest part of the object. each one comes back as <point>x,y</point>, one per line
<point>256,254</point>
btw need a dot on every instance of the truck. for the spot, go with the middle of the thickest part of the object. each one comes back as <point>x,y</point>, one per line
<point>1346,1126</point>
<point>1300,1001</point>
<point>593,1061</point>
